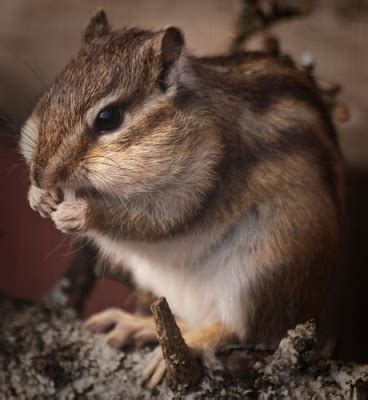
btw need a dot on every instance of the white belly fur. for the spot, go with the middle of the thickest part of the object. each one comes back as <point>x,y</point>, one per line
<point>203,279</point>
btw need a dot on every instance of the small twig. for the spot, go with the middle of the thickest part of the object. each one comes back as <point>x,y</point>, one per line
<point>181,365</point>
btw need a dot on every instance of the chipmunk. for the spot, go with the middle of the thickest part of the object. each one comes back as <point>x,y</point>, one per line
<point>216,181</point>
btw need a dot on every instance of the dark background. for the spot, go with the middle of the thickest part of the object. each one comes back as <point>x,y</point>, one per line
<point>38,37</point>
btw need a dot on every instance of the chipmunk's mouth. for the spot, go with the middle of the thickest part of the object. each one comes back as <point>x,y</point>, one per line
<point>69,194</point>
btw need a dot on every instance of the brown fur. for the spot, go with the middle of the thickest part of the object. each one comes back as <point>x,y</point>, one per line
<point>255,129</point>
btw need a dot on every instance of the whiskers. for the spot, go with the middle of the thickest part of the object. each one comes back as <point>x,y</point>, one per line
<point>9,170</point>
<point>106,161</point>
<point>72,247</point>
<point>109,186</point>
<point>108,183</point>
<point>37,73</point>
<point>57,247</point>
<point>75,248</point>
<point>11,133</point>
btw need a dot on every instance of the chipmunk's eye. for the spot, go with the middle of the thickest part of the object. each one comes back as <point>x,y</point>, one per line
<point>109,119</point>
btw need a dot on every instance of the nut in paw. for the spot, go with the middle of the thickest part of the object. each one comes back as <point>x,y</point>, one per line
<point>72,216</point>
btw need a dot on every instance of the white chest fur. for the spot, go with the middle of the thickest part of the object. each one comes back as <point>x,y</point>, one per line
<point>203,279</point>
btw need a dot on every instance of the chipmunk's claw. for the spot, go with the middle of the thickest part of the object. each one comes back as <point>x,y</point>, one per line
<point>155,370</point>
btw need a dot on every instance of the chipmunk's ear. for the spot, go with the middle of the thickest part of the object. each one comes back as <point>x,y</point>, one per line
<point>98,26</point>
<point>170,45</point>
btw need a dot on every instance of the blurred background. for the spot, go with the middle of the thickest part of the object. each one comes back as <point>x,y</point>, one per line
<point>38,37</point>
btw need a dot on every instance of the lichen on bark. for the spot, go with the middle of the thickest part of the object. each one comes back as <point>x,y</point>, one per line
<point>45,353</point>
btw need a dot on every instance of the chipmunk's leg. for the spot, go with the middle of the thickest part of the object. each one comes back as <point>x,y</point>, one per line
<point>123,328</point>
<point>203,343</point>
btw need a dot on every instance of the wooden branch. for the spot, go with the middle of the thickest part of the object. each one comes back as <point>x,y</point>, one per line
<point>46,353</point>
<point>80,276</point>
<point>257,16</point>
<point>329,92</point>
<point>86,267</point>
<point>181,365</point>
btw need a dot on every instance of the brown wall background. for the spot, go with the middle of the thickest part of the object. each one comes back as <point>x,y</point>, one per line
<point>38,37</point>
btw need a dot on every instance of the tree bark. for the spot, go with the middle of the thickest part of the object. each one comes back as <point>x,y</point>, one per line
<point>45,353</point>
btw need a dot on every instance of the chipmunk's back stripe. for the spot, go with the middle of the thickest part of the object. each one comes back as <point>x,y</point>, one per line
<point>265,81</point>
<point>241,161</point>
<point>303,139</point>
<point>266,90</point>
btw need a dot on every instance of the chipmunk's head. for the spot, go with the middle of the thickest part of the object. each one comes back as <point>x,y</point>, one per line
<point>119,118</point>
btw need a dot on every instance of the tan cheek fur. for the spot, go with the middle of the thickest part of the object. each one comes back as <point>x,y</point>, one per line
<point>176,168</point>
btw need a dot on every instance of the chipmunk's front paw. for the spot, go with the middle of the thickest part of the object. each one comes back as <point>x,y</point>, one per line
<point>123,328</point>
<point>72,216</point>
<point>43,201</point>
